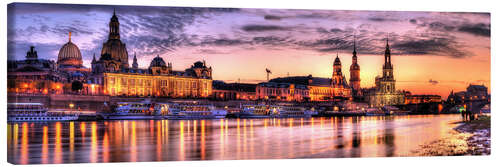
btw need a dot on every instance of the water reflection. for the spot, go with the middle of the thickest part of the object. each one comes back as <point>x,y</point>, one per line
<point>168,140</point>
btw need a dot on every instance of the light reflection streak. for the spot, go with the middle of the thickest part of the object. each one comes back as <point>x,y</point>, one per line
<point>93,143</point>
<point>57,146</point>
<point>24,145</point>
<point>16,134</point>
<point>238,140</point>
<point>82,131</point>
<point>202,139</point>
<point>221,136</point>
<point>252,143</point>
<point>133,144</point>
<point>45,145</point>
<point>245,138</point>
<point>181,141</point>
<point>105,147</point>
<point>72,140</point>
<point>9,137</point>
<point>158,140</point>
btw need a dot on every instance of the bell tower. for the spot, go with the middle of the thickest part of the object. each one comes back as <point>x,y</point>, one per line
<point>337,78</point>
<point>114,27</point>
<point>355,79</point>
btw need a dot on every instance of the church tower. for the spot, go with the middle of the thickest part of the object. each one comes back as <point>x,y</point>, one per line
<point>387,82</point>
<point>114,27</point>
<point>134,64</point>
<point>337,78</point>
<point>355,79</point>
<point>387,69</point>
<point>114,50</point>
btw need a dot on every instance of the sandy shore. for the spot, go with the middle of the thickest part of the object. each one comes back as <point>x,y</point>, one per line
<point>468,138</point>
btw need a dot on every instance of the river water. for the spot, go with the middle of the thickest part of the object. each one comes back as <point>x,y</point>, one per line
<point>178,140</point>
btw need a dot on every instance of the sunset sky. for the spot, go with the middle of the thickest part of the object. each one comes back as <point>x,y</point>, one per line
<point>433,52</point>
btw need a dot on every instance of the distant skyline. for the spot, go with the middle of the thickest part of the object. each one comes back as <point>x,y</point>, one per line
<point>433,52</point>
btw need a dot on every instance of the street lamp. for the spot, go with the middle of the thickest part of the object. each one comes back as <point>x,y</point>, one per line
<point>71,105</point>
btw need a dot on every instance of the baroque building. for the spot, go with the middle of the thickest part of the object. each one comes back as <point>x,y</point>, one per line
<point>33,75</point>
<point>385,93</point>
<point>341,89</point>
<point>112,72</point>
<point>307,88</point>
<point>114,55</point>
<point>70,63</point>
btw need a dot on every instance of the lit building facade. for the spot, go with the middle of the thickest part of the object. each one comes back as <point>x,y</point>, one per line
<point>112,73</point>
<point>473,93</point>
<point>33,75</point>
<point>385,93</point>
<point>307,88</point>
<point>233,91</point>
<point>421,99</point>
<point>282,91</point>
<point>148,85</point>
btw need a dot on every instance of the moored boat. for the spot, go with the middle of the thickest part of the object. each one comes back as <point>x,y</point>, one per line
<point>149,110</point>
<point>194,111</point>
<point>137,110</point>
<point>36,112</point>
<point>273,111</point>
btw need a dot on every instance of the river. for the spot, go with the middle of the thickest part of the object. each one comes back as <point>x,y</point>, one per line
<point>223,139</point>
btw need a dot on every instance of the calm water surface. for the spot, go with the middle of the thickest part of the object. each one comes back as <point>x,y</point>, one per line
<point>177,140</point>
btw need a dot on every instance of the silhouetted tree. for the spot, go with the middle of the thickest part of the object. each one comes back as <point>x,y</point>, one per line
<point>76,86</point>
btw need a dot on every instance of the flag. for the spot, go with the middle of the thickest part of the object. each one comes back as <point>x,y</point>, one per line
<point>268,71</point>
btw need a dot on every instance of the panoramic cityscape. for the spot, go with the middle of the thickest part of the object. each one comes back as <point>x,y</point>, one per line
<point>97,83</point>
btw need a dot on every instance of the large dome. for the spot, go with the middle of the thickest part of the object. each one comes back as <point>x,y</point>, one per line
<point>69,54</point>
<point>157,62</point>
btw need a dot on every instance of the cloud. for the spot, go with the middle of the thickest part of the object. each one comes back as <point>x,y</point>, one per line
<point>479,29</point>
<point>438,46</point>
<point>433,82</point>
<point>258,28</point>
<point>273,17</point>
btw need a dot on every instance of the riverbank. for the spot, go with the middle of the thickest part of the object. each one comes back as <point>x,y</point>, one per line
<point>480,141</point>
<point>468,138</point>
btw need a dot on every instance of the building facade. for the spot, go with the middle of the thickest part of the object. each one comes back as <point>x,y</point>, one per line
<point>233,91</point>
<point>34,75</point>
<point>282,91</point>
<point>473,93</point>
<point>111,71</point>
<point>385,93</point>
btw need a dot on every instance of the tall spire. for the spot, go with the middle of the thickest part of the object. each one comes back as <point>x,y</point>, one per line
<point>93,59</point>
<point>354,47</point>
<point>114,27</point>
<point>70,36</point>
<point>387,51</point>
<point>134,63</point>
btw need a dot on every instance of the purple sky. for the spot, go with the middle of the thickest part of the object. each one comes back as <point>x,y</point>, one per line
<point>241,43</point>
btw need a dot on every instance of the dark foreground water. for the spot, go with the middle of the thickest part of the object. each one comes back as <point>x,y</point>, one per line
<point>177,140</point>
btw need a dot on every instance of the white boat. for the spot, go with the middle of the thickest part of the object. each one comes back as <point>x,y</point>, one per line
<point>374,112</point>
<point>189,111</point>
<point>255,111</point>
<point>138,110</point>
<point>148,110</point>
<point>291,111</point>
<point>266,111</point>
<point>36,112</point>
